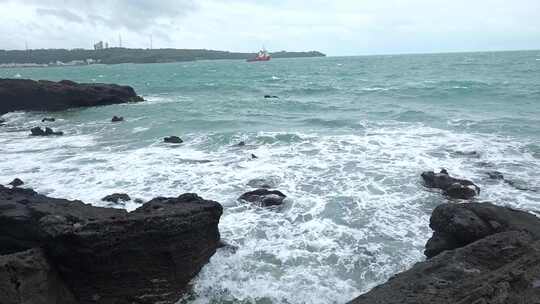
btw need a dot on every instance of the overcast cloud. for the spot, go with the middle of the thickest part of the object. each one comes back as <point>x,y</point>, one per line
<point>341,27</point>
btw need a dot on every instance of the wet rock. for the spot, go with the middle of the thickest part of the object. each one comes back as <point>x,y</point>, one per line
<point>491,255</point>
<point>30,95</point>
<point>241,144</point>
<point>145,256</point>
<point>264,197</point>
<point>37,131</point>
<point>28,277</point>
<point>16,182</point>
<point>453,187</point>
<point>173,140</point>
<point>270,96</point>
<point>117,119</point>
<point>116,197</point>
<point>49,119</point>
<point>253,156</point>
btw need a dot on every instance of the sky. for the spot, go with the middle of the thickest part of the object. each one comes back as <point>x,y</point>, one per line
<point>340,27</point>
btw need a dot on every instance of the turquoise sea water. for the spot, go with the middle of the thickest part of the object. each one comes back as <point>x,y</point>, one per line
<point>346,141</point>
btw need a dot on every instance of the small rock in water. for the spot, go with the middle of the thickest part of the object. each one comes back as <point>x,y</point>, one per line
<point>264,197</point>
<point>117,118</point>
<point>51,119</point>
<point>453,187</point>
<point>16,182</point>
<point>270,96</point>
<point>37,131</point>
<point>116,197</point>
<point>173,140</point>
<point>241,144</point>
<point>253,156</point>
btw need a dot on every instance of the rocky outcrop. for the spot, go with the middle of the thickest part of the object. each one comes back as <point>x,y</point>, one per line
<point>263,197</point>
<point>451,186</point>
<point>30,95</point>
<point>480,253</point>
<point>106,255</point>
<point>16,182</point>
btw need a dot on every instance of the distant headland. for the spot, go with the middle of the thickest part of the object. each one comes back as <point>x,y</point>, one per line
<point>56,57</point>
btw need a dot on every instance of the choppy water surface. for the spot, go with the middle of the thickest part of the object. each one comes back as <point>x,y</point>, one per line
<point>346,141</point>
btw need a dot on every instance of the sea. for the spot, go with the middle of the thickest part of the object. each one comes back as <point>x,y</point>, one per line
<point>346,140</point>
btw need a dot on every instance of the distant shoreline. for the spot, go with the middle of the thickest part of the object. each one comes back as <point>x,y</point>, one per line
<point>76,57</point>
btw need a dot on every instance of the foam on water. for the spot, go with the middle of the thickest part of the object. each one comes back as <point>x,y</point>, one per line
<point>355,213</point>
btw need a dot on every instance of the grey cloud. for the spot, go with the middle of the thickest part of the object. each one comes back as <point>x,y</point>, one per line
<point>135,15</point>
<point>60,13</point>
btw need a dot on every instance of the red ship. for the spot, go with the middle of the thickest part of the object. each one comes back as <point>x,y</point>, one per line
<point>262,55</point>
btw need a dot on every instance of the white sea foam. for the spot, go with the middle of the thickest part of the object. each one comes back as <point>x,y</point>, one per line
<point>355,213</point>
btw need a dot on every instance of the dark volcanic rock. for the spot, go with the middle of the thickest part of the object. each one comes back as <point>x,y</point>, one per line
<point>117,119</point>
<point>145,256</point>
<point>453,187</point>
<point>493,257</point>
<point>264,197</point>
<point>37,131</point>
<point>30,95</point>
<point>116,197</point>
<point>173,140</point>
<point>49,119</point>
<point>16,182</point>
<point>456,225</point>
<point>28,277</point>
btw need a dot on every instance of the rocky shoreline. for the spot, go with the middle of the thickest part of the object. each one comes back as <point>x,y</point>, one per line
<point>42,95</point>
<point>479,253</point>
<point>61,251</point>
<point>68,252</point>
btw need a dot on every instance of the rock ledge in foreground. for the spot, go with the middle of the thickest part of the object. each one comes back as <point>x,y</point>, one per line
<point>106,255</point>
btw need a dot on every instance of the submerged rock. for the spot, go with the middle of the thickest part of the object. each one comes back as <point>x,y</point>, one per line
<point>117,118</point>
<point>116,197</point>
<point>173,140</point>
<point>264,197</point>
<point>241,144</point>
<point>16,182</point>
<point>37,131</point>
<point>49,119</point>
<point>453,187</point>
<point>145,256</point>
<point>265,182</point>
<point>491,254</point>
<point>270,96</point>
<point>495,175</point>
